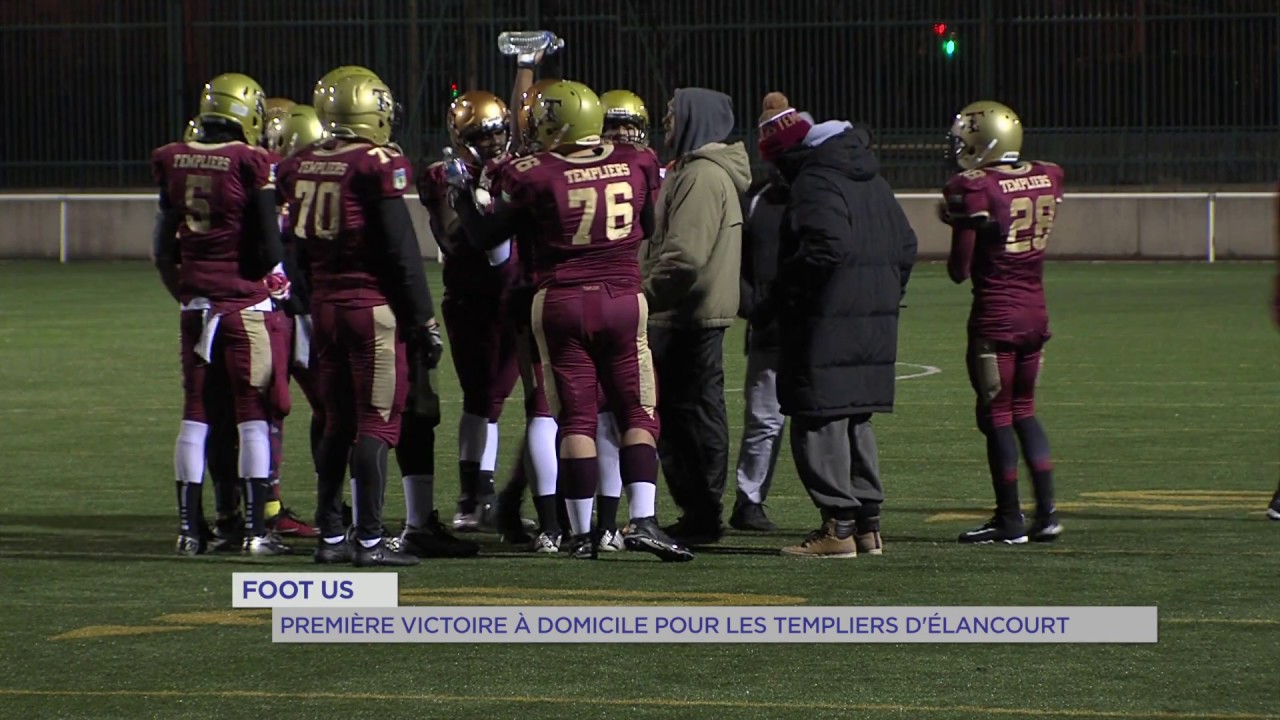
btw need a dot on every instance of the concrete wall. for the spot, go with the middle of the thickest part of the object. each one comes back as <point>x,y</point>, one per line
<point>1092,225</point>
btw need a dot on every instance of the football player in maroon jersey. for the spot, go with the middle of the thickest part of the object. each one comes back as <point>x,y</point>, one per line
<point>371,308</point>
<point>217,248</point>
<point>587,206</point>
<point>1001,211</point>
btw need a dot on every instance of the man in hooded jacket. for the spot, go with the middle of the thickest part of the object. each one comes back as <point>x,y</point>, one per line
<point>845,257</point>
<point>690,269</point>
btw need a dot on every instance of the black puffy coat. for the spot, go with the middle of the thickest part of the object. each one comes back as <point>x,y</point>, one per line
<point>763,208</point>
<point>845,256</point>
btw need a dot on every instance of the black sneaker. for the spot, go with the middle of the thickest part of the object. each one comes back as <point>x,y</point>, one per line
<point>750,517</point>
<point>645,535</point>
<point>1273,511</point>
<point>696,531</point>
<point>995,530</point>
<point>512,529</point>
<point>339,553</point>
<point>435,541</point>
<point>381,555</point>
<point>582,547</point>
<point>228,535</point>
<point>1045,529</point>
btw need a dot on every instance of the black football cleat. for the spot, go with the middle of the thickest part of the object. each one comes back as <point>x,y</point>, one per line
<point>1273,511</point>
<point>434,541</point>
<point>644,535</point>
<point>339,553</point>
<point>268,545</point>
<point>228,535</point>
<point>190,545</point>
<point>1045,529</point>
<point>582,547</point>
<point>382,555</point>
<point>995,530</point>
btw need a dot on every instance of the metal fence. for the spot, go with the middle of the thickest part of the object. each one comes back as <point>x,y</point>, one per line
<point>1121,92</point>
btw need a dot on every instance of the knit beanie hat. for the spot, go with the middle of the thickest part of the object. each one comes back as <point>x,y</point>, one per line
<point>781,127</point>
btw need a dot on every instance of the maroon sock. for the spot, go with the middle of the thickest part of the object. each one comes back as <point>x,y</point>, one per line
<point>639,463</point>
<point>579,478</point>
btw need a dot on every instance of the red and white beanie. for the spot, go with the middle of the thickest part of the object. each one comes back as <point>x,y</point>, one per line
<point>781,126</point>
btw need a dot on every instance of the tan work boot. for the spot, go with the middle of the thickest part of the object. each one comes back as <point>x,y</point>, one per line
<point>869,542</point>
<point>823,543</point>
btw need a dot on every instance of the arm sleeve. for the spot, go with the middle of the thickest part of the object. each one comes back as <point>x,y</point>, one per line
<point>819,223</point>
<point>262,212</point>
<point>693,224</point>
<point>404,257</point>
<point>961,257</point>
<point>164,245</point>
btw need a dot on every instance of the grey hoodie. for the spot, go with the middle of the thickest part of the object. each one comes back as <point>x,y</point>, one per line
<point>701,116</point>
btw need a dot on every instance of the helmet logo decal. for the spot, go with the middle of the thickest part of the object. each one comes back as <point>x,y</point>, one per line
<point>550,107</point>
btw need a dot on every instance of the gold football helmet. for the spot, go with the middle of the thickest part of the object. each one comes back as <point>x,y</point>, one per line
<point>277,109</point>
<point>325,84</point>
<point>479,125</point>
<point>625,117</point>
<point>524,114</point>
<point>193,131</point>
<point>238,99</point>
<point>358,106</point>
<point>300,129</point>
<point>567,113</point>
<point>984,133</point>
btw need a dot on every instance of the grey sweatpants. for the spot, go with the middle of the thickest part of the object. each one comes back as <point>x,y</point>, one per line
<point>762,427</point>
<point>837,462</point>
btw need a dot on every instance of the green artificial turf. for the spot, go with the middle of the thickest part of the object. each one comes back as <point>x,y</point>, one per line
<point>1159,397</point>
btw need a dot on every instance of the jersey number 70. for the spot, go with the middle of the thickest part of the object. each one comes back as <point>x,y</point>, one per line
<point>326,199</point>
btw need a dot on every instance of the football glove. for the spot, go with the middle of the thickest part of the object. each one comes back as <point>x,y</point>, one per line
<point>278,285</point>
<point>427,345</point>
<point>944,215</point>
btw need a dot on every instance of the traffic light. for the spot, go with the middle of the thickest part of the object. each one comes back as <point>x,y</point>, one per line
<point>453,91</point>
<point>948,39</point>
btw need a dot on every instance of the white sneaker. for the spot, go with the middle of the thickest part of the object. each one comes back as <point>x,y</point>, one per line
<point>610,541</point>
<point>466,522</point>
<point>546,544</point>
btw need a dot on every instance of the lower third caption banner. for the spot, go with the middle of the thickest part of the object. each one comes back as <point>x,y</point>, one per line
<point>678,624</point>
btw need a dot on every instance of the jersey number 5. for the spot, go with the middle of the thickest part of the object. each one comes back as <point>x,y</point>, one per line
<point>196,200</point>
<point>619,215</point>
<point>326,199</point>
<point>1026,216</point>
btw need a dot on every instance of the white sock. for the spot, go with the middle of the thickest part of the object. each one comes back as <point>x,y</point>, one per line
<point>641,498</point>
<point>255,449</point>
<point>473,431</point>
<point>607,456</point>
<point>489,460</point>
<point>418,499</point>
<point>542,450</point>
<point>580,515</point>
<point>370,542</point>
<point>188,453</point>
<point>335,539</point>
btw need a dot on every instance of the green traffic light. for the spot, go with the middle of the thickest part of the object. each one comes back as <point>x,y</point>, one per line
<point>949,47</point>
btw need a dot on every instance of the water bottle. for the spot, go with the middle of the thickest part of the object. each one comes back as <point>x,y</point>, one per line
<point>528,42</point>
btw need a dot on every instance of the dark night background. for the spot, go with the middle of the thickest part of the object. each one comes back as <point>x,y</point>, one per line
<point>1173,93</point>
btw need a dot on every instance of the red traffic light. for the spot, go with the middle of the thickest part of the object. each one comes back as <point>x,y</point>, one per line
<point>939,28</point>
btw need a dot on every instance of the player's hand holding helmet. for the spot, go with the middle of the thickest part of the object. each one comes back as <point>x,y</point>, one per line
<point>237,99</point>
<point>567,113</point>
<point>984,133</point>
